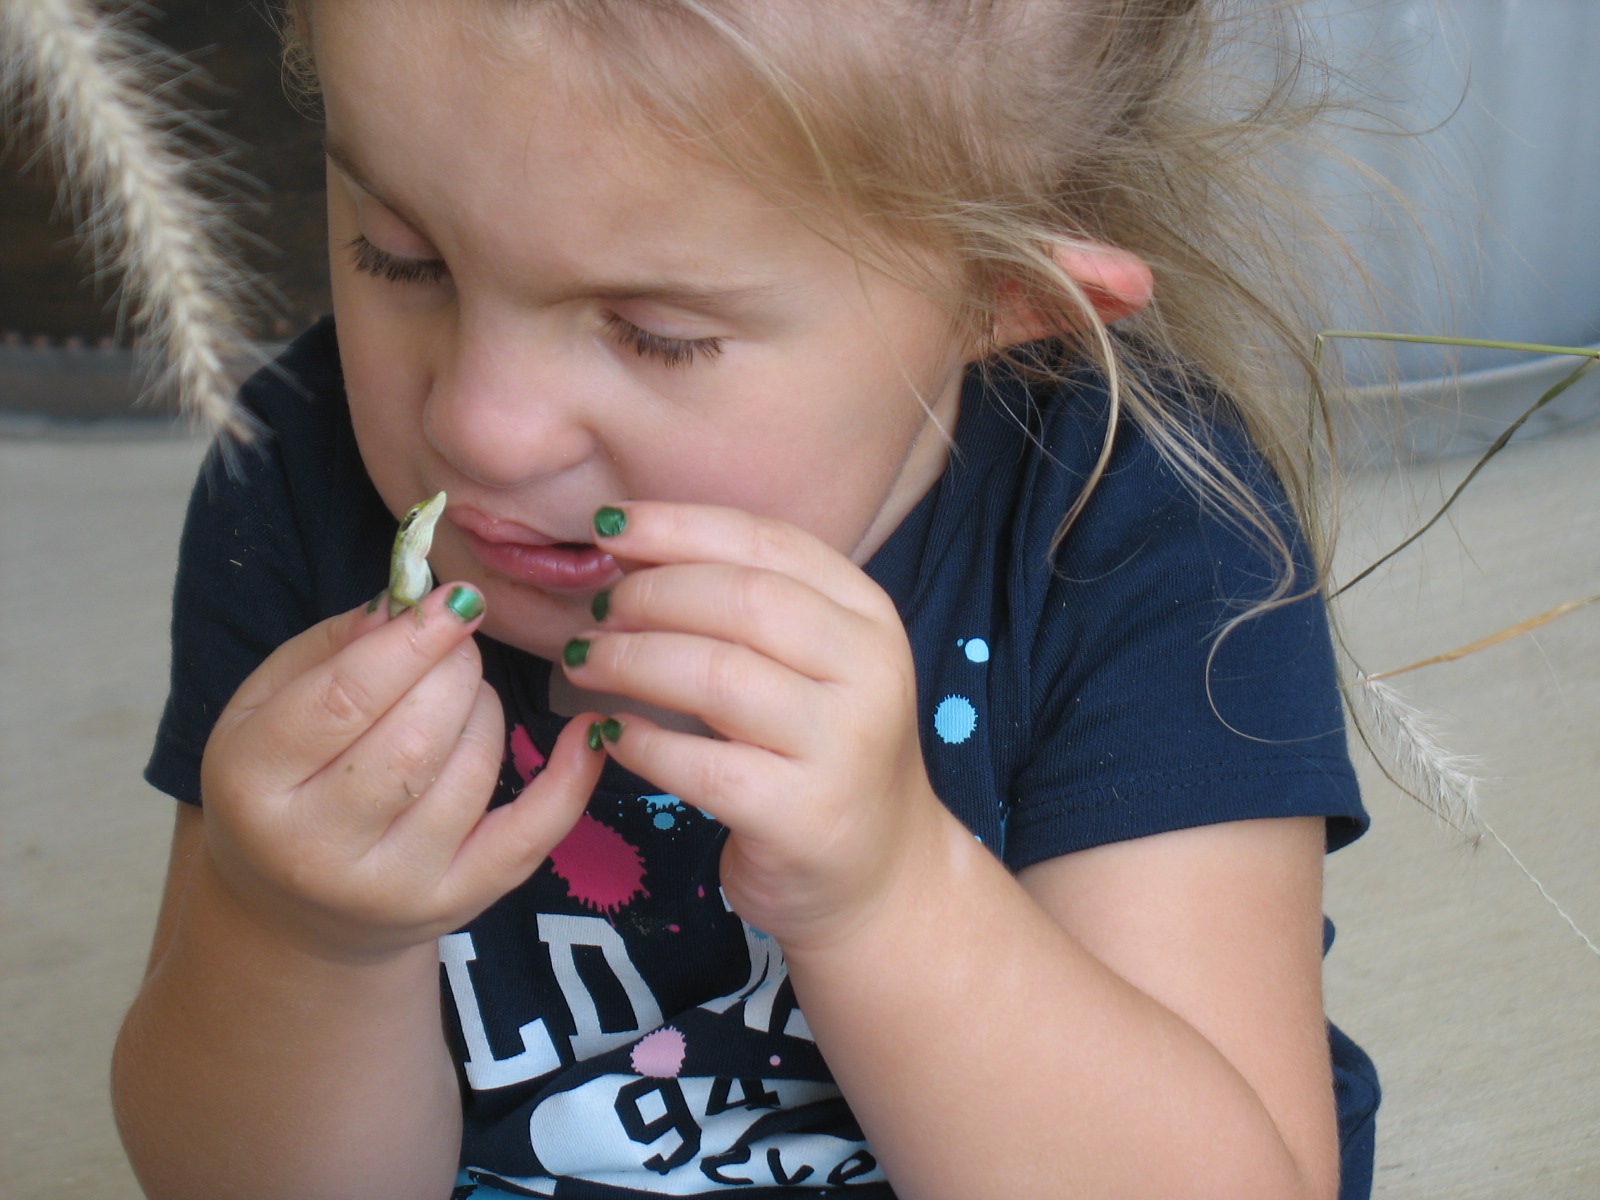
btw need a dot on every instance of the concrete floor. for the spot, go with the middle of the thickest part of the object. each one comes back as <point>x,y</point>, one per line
<point>1481,1006</point>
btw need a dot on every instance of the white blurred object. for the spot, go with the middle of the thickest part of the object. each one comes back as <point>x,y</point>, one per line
<point>137,170</point>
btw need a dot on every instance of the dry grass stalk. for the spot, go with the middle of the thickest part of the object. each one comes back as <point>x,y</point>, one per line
<point>1406,750</point>
<point>1494,639</point>
<point>99,93</point>
<point>1583,937</point>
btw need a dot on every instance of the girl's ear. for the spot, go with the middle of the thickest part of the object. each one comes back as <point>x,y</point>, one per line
<point>1118,283</point>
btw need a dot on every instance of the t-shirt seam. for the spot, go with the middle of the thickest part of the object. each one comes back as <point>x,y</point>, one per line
<point>1152,783</point>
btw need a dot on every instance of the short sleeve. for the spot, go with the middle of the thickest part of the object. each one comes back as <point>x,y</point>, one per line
<point>237,597</point>
<point>259,560</point>
<point>1153,706</point>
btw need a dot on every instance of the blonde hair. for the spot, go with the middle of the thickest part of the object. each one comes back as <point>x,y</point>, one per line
<point>993,131</point>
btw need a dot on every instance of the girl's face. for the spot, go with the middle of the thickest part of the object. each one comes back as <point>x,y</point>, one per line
<point>542,311</point>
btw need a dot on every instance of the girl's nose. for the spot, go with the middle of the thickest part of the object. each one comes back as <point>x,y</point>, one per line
<point>502,410</point>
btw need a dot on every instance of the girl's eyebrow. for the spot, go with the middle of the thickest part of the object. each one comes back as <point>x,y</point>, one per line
<point>715,301</point>
<point>345,161</point>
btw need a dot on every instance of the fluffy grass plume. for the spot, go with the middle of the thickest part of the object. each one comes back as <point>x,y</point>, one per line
<point>138,171</point>
<point>1405,747</point>
<point>1445,783</point>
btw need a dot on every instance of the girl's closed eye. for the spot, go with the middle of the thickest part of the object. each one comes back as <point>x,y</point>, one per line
<point>669,351</point>
<point>370,260</point>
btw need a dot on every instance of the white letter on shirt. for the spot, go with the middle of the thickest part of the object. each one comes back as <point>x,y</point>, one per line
<point>561,934</point>
<point>484,1071</point>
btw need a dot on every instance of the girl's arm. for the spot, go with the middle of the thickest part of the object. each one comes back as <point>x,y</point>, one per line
<point>249,1069</point>
<point>1141,1019</point>
<point>288,1042</point>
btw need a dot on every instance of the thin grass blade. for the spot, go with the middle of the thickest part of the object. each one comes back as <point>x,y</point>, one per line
<point>1590,356</point>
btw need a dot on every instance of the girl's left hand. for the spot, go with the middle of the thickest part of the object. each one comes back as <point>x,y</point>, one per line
<point>799,662</point>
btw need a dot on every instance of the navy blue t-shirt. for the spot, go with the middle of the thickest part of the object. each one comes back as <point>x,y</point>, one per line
<point>620,1032</point>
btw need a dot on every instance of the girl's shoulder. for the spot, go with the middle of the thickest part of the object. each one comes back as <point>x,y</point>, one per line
<point>1032,446</point>
<point>1100,675</point>
<point>1167,455</point>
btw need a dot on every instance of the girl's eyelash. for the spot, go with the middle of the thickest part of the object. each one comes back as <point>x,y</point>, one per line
<point>369,260</point>
<point>670,352</point>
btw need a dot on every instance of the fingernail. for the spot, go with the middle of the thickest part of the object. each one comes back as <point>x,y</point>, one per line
<point>596,732</point>
<point>575,653</point>
<point>609,522</point>
<point>611,729</point>
<point>372,605</point>
<point>465,603</point>
<point>600,605</point>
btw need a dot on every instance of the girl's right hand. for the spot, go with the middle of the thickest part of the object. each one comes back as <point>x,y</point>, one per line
<point>347,783</point>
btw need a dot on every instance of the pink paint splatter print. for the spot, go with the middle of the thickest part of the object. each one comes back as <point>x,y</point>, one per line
<point>660,1054</point>
<point>525,756</point>
<point>602,869</point>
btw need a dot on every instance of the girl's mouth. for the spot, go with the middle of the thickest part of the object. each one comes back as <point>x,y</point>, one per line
<point>528,558</point>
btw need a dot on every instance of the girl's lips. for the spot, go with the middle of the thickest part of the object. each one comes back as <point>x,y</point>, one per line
<point>529,558</point>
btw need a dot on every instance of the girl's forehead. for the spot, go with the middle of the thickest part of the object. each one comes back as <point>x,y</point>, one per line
<point>440,67</point>
<point>530,192</point>
<point>489,57</point>
<point>691,66</point>
<point>504,97</point>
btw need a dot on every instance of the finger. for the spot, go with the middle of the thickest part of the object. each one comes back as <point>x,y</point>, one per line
<point>656,531</point>
<point>510,842</point>
<point>741,694</point>
<point>388,768</point>
<point>746,788</point>
<point>315,716</point>
<point>435,826</point>
<point>775,615</point>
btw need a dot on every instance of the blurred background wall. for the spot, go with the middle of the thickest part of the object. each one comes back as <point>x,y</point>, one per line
<point>1480,115</point>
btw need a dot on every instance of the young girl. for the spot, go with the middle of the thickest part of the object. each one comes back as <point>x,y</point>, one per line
<point>879,730</point>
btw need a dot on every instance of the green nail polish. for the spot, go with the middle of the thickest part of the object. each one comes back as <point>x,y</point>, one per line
<point>575,653</point>
<point>600,605</point>
<point>594,737</point>
<point>611,729</point>
<point>609,522</point>
<point>465,603</point>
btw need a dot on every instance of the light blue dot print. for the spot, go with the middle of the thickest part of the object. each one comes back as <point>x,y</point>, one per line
<point>977,650</point>
<point>666,808</point>
<point>955,719</point>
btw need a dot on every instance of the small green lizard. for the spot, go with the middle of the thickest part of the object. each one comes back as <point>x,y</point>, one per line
<point>409,577</point>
